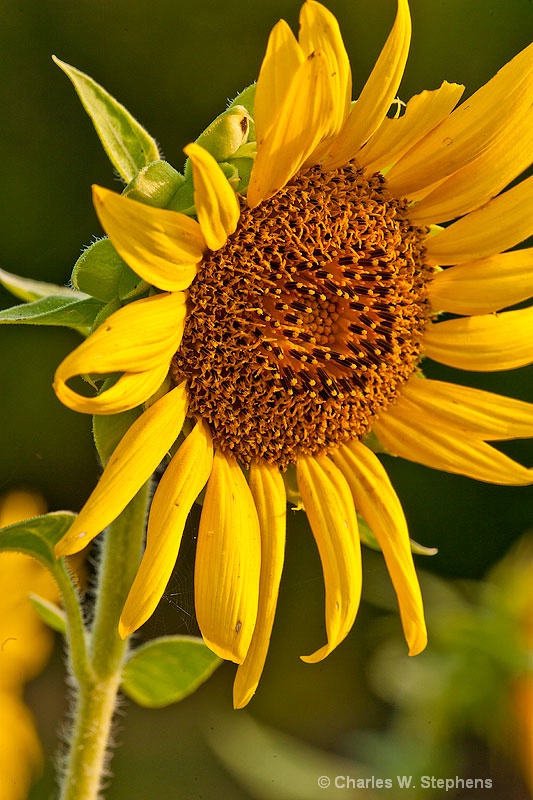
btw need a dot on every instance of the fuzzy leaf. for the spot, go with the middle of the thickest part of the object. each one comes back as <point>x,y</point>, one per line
<point>168,669</point>
<point>28,289</point>
<point>37,536</point>
<point>102,273</point>
<point>128,145</point>
<point>55,310</point>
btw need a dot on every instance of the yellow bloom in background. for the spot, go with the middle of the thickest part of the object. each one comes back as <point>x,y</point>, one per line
<point>25,646</point>
<point>291,324</point>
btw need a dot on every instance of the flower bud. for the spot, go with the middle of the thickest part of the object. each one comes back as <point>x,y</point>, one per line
<point>227,133</point>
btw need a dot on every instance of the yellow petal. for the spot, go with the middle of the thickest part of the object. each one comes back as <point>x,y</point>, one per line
<point>216,203</point>
<point>474,185</point>
<point>378,504</point>
<point>379,91</point>
<point>320,32</point>
<point>140,339</point>
<point>329,506</point>
<point>161,246</point>
<point>182,482</point>
<point>446,448</point>
<point>395,137</point>
<point>482,414</point>
<point>487,343</point>
<point>228,562</point>
<point>268,491</point>
<point>280,64</point>
<point>131,390</point>
<point>484,286</point>
<point>488,115</point>
<point>135,458</point>
<point>303,121</point>
<point>501,224</point>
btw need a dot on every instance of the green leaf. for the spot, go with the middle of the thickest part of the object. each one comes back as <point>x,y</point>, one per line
<point>27,289</point>
<point>168,669</point>
<point>102,273</point>
<point>128,145</point>
<point>51,614</point>
<point>38,536</point>
<point>61,311</point>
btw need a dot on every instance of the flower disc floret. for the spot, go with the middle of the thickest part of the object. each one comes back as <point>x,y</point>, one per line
<point>303,326</point>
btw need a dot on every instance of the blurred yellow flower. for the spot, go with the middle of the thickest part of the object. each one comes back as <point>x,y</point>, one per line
<point>291,324</point>
<point>25,646</point>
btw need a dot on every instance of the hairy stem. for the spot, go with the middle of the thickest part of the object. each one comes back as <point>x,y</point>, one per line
<point>97,687</point>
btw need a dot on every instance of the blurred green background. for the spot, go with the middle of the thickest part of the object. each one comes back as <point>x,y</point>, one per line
<point>174,64</point>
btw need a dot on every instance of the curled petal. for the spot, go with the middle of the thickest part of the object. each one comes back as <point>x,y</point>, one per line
<point>378,504</point>
<point>329,506</point>
<point>217,207</point>
<point>161,246</point>
<point>379,91</point>
<point>228,562</point>
<point>182,482</point>
<point>135,458</point>
<point>487,343</point>
<point>138,339</point>
<point>268,491</point>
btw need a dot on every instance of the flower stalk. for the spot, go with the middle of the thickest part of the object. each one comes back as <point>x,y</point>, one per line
<point>98,684</point>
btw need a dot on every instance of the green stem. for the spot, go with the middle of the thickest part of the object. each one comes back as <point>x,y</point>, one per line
<point>76,633</point>
<point>97,689</point>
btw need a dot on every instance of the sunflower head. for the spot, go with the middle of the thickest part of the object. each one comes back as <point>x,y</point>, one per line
<point>285,298</point>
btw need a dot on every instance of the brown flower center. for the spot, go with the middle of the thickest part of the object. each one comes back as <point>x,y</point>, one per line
<point>305,324</point>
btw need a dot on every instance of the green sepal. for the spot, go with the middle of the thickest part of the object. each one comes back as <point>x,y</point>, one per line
<point>103,274</point>
<point>60,311</point>
<point>183,200</point>
<point>225,135</point>
<point>167,669</point>
<point>37,537</point>
<point>128,145</point>
<point>243,168</point>
<point>106,311</point>
<point>109,429</point>
<point>28,289</point>
<point>155,185</point>
<point>50,614</point>
<point>246,98</point>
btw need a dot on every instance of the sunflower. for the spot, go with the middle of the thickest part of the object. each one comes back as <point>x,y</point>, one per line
<point>284,333</point>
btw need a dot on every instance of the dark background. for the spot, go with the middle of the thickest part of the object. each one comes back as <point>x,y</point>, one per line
<point>174,64</point>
